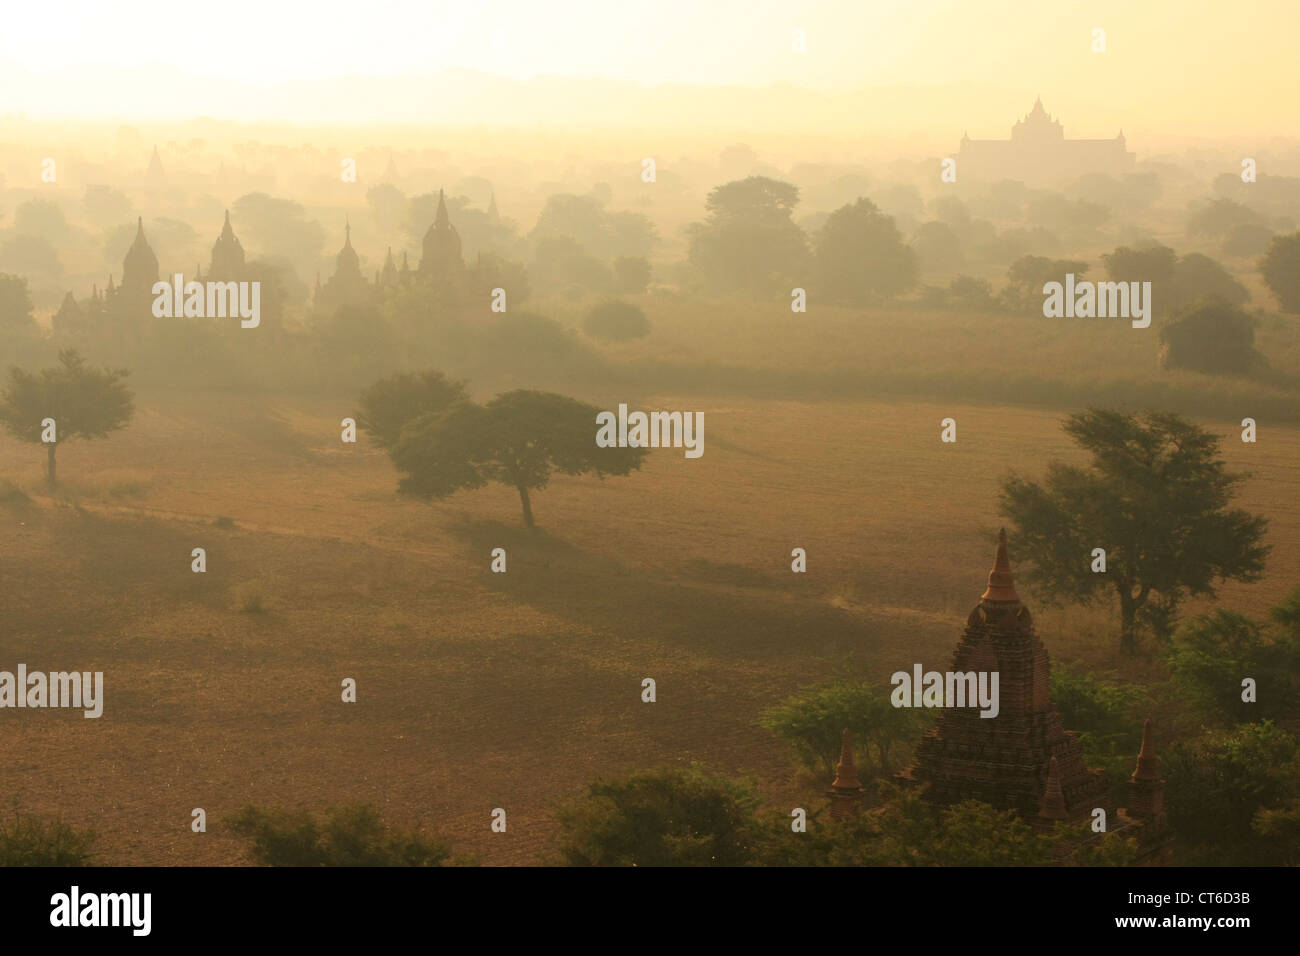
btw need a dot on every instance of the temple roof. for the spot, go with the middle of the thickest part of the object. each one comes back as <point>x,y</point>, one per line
<point>1002,583</point>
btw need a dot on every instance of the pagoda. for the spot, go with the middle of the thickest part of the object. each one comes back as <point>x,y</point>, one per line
<point>1023,759</point>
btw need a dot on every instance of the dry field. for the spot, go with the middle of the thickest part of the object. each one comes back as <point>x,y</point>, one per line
<point>480,690</point>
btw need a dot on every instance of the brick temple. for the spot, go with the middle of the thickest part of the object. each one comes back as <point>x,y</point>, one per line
<point>1024,757</point>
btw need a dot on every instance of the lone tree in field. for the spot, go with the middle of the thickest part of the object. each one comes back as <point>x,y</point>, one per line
<point>1155,498</point>
<point>519,438</point>
<point>70,400</point>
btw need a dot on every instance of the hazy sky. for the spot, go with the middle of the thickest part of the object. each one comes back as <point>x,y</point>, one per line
<point>1172,64</point>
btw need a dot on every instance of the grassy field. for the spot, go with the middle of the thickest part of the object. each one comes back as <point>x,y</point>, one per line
<point>480,690</point>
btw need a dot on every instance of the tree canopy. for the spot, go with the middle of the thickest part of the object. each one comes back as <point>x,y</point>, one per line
<point>1156,499</point>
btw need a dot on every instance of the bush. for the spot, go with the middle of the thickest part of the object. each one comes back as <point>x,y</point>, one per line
<point>1106,716</point>
<point>352,835</point>
<point>1215,338</point>
<point>40,841</point>
<point>814,721</point>
<point>616,321</point>
<point>1217,785</point>
<point>249,598</point>
<point>662,818</point>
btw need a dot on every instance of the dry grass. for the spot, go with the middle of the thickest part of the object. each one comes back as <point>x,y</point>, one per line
<point>478,690</point>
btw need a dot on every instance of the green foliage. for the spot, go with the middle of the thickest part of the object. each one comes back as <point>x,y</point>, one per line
<point>1215,787</point>
<point>386,406</point>
<point>1209,656</point>
<point>27,840</point>
<point>84,402</point>
<point>1027,276</point>
<point>861,256</point>
<point>907,831</point>
<point>813,722</point>
<point>519,438</point>
<point>15,305</point>
<point>662,818</point>
<point>616,321</point>
<point>1155,498</point>
<point>1280,268</point>
<point>1214,338</point>
<point>352,835</point>
<point>749,240</point>
<point>1108,717</point>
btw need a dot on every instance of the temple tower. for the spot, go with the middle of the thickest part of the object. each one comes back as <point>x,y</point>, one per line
<point>441,254</point>
<point>1009,760</point>
<point>227,256</point>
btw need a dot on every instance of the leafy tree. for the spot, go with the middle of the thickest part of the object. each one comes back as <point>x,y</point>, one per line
<point>1216,786</point>
<point>560,261</point>
<point>1280,268</point>
<point>1217,217</point>
<point>519,438</point>
<point>389,404</point>
<point>669,817</point>
<point>1028,274</point>
<point>1154,264</point>
<point>862,257</point>
<point>1215,337</point>
<point>748,240</point>
<point>908,831</point>
<point>616,321</point>
<point>814,720</point>
<point>1156,499</point>
<point>1107,717</point>
<point>352,835</point>
<point>1199,278</point>
<point>1209,656</point>
<point>84,403</point>
<point>15,305</point>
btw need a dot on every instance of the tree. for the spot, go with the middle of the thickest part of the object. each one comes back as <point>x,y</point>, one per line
<point>83,402</point>
<point>1210,654</point>
<point>814,720</point>
<point>1028,274</point>
<point>662,818</point>
<point>387,405</point>
<point>1218,786</point>
<point>519,438</point>
<point>861,256</point>
<point>749,240</point>
<point>15,305</point>
<point>352,835</point>
<point>1280,268</point>
<point>1215,337</point>
<point>1155,498</point>
<point>1198,278</point>
<point>631,274</point>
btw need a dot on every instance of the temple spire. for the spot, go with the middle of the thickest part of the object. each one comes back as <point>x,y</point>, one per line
<point>1002,583</point>
<point>846,791</point>
<point>1147,763</point>
<point>1053,805</point>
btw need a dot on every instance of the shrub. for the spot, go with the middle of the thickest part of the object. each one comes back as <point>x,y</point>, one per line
<point>249,598</point>
<point>814,721</point>
<point>616,321</point>
<point>352,835</point>
<point>662,818</point>
<point>1215,338</point>
<point>27,840</point>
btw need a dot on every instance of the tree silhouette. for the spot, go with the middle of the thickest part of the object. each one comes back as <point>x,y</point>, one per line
<point>83,402</point>
<point>519,438</point>
<point>1280,268</point>
<point>1156,499</point>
